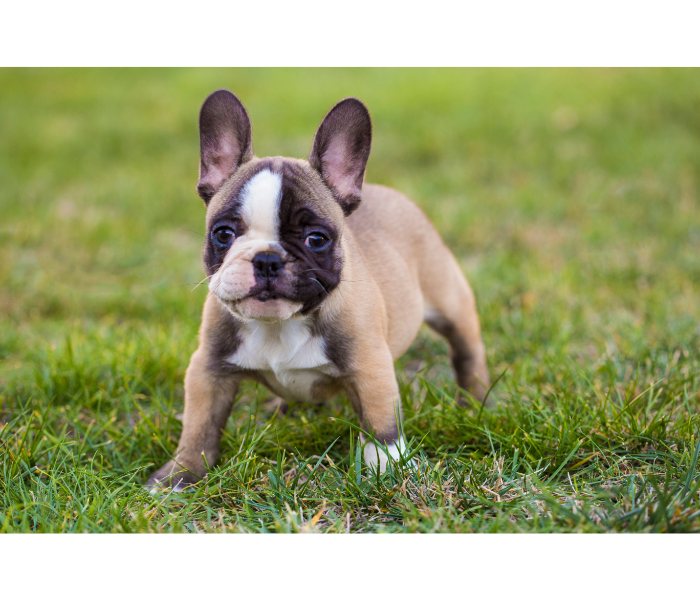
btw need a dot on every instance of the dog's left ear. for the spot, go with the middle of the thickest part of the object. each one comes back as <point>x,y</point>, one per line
<point>341,149</point>
<point>224,139</point>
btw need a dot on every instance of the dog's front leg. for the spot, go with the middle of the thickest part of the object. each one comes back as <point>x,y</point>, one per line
<point>374,392</point>
<point>208,400</point>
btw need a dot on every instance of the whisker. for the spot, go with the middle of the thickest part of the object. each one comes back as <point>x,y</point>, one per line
<point>201,282</point>
<point>325,291</point>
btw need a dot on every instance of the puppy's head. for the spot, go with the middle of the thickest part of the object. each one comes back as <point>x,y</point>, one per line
<point>274,225</point>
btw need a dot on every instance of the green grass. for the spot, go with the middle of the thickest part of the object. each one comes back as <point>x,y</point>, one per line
<point>570,197</point>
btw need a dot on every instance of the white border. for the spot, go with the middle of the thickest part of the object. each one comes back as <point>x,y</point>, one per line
<point>372,566</point>
<point>350,33</point>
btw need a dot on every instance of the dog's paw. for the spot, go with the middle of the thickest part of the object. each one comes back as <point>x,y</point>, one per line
<point>173,476</point>
<point>380,457</point>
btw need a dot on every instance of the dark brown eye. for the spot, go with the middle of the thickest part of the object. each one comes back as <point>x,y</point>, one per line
<point>317,241</point>
<point>222,237</point>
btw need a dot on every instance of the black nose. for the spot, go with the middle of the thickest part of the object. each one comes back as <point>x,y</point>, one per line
<point>267,264</point>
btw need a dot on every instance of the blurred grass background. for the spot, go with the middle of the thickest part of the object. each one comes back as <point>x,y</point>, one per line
<point>569,196</point>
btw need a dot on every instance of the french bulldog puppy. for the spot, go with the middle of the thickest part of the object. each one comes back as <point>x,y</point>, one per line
<point>317,284</point>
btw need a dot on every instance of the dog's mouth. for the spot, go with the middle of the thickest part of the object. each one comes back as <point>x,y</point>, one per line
<point>266,295</point>
<point>260,294</point>
<point>264,305</point>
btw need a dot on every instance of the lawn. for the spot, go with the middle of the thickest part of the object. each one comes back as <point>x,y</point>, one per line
<point>570,197</point>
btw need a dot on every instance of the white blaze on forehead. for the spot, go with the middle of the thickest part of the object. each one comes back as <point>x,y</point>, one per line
<point>260,209</point>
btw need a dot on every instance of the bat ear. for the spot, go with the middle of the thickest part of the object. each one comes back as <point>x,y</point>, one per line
<point>224,141</point>
<point>341,149</point>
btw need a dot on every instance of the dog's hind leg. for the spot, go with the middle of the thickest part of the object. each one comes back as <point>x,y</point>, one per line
<point>451,311</point>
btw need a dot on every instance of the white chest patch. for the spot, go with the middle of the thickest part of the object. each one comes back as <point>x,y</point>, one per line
<point>287,353</point>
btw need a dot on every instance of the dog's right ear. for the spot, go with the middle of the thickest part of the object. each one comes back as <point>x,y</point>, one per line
<point>224,141</point>
<point>340,151</point>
